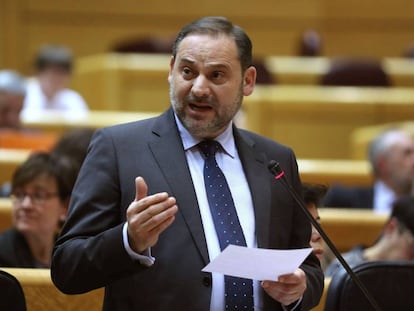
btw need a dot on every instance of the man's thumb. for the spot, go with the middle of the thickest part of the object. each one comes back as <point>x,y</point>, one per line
<point>141,188</point>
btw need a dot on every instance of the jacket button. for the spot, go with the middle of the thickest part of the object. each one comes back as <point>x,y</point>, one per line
<point>207,281</point>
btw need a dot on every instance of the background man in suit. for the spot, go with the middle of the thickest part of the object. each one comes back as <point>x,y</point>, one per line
<point>391,155</point>
<point>148,242</point>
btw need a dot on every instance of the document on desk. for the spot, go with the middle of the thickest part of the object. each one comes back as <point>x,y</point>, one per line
<point>257,263</point>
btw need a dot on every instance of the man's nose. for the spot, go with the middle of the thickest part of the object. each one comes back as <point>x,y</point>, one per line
<point>201,86</point>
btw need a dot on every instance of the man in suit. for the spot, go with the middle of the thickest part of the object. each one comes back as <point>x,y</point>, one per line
<point>147,242</point>
<point>391,155</point>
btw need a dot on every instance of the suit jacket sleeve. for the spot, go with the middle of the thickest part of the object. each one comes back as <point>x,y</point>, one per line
<point>86,247</point>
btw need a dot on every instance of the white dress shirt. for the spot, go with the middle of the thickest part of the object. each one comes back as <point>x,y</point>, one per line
<point>66,100</point>
<point>383,198</point>
<point>229,163</point>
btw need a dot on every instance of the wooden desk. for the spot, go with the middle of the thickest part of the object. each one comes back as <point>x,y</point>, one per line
<point>59,122</point>
<point>41,294</point>
<point>10,159</point>
<point>138,81</point>
<point>346,172</point>
<point>309,70</point>
<point>5,214</point>
<point>126,82</point>
<point>317,121</point>
<point>350,227</point>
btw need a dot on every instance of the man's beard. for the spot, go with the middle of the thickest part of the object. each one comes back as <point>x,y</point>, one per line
<point>203,129</point>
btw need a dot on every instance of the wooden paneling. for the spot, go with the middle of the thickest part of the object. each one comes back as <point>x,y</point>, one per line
<point>309,70</point>
<point>317,121</point>
<point>329,172</point>
<point>127,82</point>
<point>57,122</point>
<point>90,27</point>
<point>350,227</point>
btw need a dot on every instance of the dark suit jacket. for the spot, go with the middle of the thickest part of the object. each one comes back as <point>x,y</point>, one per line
<point>90,252</point>
<point>349,197</point>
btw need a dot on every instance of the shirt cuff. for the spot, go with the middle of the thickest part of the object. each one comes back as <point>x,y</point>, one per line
<point>145,258</point>
<point>293,305</point>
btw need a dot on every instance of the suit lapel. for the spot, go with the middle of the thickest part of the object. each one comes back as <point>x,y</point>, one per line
<point>169,153</point>
<point>257,175</point>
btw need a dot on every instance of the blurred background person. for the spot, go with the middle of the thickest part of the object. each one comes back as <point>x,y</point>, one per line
<point>12,93</point>
<point>74,145</point>
<point>310,43</point>
<point>312,196</point>
<point>391,155</point>
<point>40,193</point>
<point>48,90</point>
<point>396,241</point>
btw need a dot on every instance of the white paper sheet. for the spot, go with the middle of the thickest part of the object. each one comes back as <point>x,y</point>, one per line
<point>257,263</point>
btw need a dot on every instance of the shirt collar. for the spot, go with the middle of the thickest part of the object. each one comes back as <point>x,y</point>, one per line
<point>226,139</point>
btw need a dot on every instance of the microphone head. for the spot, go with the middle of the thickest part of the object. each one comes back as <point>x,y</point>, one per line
<point>274,168</point>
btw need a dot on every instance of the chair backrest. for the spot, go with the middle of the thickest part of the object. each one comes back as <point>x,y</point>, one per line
<point>390,283</point>
<point>150,44</point>
<point>353,71</point>
<point>11,293</point>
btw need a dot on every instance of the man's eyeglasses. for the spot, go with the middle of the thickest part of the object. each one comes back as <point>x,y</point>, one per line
<point>35,197</point>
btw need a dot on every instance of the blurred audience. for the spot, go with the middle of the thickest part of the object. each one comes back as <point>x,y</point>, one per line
<point>409,51</point>
<point>396,241</point>
<point>40,193</point>
<point>391,155</point>
<point>310,43</point>
<point>12,93</point>
<point>48,90</point>
<point>74,144</point>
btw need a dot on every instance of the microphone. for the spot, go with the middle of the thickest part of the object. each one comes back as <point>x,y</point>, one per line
<point>279,175</point>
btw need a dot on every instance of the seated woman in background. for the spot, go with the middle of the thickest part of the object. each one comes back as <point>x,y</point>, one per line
<point>40,192</point>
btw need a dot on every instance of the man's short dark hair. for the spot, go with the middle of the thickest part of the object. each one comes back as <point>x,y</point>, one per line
<point>313,193</point>
<point>214,26</point>
<point>403,211</point>
<point>54,56</point>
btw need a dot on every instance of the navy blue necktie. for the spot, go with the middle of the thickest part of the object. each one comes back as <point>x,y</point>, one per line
<point>238,291</point>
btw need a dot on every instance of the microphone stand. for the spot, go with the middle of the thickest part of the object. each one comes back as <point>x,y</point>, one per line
<point>278,173</point>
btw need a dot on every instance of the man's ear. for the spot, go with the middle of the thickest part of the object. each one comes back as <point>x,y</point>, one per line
<point>172,62</point>
<point>249,80</point>
<point>391,225</point>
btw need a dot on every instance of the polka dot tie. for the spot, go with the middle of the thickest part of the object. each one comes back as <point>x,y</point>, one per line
<point>238,291</point>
